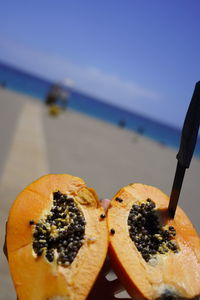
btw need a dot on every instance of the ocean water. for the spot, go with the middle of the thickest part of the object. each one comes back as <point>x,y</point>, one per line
<point>29,84</point>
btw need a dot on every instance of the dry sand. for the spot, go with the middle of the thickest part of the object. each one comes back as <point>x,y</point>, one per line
<point>33,144</point>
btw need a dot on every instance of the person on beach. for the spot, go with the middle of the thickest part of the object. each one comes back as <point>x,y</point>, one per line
<point>122,123</point>
<point>56,98</point>
<point>52,95</point>
<point>3,84</point>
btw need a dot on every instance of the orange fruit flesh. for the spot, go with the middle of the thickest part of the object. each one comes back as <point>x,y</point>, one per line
<point>177,274</point>
<point>35,277</point>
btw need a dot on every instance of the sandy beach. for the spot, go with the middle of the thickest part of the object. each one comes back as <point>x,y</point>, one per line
<point>33,143</point>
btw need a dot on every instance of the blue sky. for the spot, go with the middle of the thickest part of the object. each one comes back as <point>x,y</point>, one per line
<point>141,55</point>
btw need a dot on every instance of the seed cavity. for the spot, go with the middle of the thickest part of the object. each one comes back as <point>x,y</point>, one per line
<point>146,232</point>
<point>59,236</point>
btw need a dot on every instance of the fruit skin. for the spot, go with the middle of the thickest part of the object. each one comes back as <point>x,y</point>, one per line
<point>175,275</point>
<point>36,278</point>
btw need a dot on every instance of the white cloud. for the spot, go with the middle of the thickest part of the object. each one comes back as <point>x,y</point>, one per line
<point>87,78</point>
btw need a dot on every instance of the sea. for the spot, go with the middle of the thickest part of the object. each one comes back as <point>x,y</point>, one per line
<point>32,85</point>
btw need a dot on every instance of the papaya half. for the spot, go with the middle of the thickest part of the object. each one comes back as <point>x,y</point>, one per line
<point>154,257</point>
<point>57,239</point>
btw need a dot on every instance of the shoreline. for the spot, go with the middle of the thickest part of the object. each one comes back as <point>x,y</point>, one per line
<point>170,137</point>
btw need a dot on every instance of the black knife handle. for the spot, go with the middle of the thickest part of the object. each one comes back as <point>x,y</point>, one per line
<point>190,129</point>
<point>176,189</point>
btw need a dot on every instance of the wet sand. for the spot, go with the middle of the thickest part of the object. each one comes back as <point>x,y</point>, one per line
<point>33,143</point>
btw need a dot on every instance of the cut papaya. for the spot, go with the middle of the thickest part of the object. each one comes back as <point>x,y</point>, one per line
<point>56,239</point>
<point>154,257</point>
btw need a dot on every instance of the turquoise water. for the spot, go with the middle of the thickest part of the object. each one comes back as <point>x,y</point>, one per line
<point>20,81</point>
